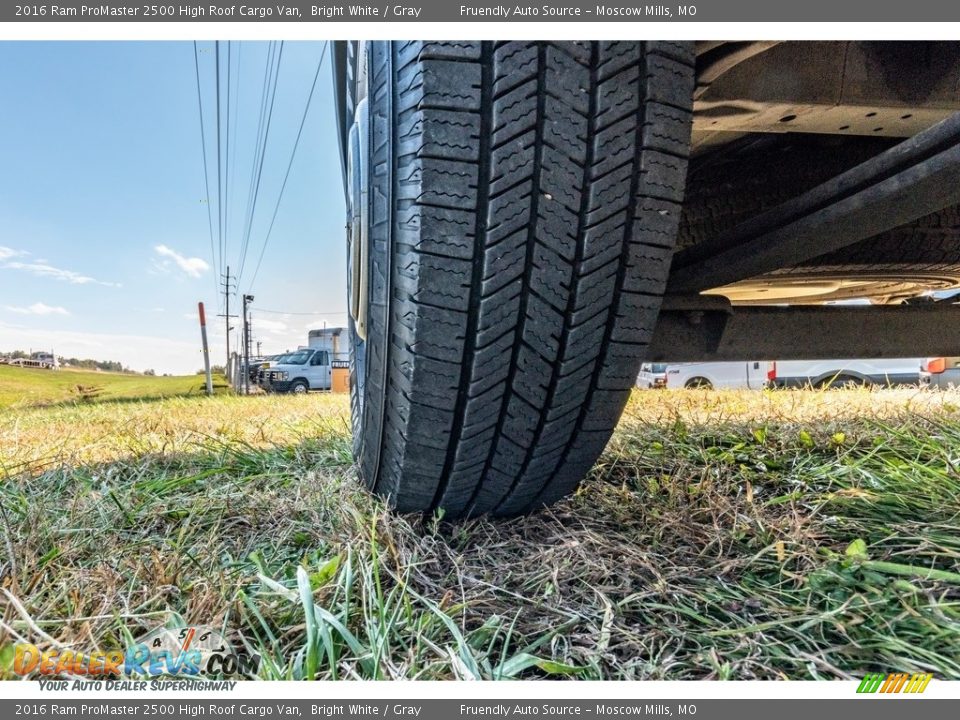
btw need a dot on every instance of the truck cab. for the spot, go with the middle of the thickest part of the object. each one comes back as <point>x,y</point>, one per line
<point>298,372</point>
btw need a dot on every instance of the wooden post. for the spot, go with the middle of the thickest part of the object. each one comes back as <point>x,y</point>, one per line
<point>206,349</point>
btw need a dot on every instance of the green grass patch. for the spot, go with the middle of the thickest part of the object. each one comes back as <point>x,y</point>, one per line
<point>790,535</point>
<point>27,387</point>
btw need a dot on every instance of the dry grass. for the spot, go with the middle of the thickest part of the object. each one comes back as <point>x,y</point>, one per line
<point>718,537</point>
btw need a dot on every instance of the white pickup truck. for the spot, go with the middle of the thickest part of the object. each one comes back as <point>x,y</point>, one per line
<point>839,373</point>
<point>752,375</point>
<point>794,373</point>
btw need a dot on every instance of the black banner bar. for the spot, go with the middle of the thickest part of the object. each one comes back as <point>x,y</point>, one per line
<point>580,11</point>
<point>507,709</point>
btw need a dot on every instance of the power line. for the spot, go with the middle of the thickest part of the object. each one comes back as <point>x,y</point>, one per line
<point>263,152</point>
<point>311,314</point>
<point>219,164</point>
<point>293,155</point>
<point>206,175</point>
<point>268,80</point>
<point>235,122</point>
<point>226,158</point>
<point>267,72</point>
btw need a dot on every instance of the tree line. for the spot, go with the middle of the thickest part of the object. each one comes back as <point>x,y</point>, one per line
<point>85,363</point>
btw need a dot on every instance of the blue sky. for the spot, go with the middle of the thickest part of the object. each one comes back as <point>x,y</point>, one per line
<point>104,242</point>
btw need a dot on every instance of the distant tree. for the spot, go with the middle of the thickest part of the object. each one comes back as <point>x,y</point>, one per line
<point>87,364</point>
<point>150,371</point>
<point>218,369</point>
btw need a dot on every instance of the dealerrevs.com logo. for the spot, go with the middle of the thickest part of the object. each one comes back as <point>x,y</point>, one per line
<point>194,651</point>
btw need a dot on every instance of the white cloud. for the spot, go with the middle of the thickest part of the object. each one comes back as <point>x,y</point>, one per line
<point>192,266</point>
<point>6,253</point>
<point>38,308</point>
<point>43,269</point>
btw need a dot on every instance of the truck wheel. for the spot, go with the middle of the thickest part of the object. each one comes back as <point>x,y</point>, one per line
<point>299,387</point>
<point>521,203</point>
<point>843,382</point>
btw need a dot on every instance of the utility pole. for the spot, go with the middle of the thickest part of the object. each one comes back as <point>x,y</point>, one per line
<point>258,349</point>
<point>247,299</point>
<point>206,349</point>
<point>227,289</point>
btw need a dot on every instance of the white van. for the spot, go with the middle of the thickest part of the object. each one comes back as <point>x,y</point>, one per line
<point>752,375</point>
<point>652,376</point>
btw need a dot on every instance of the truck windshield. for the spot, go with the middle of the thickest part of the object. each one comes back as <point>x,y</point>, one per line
<point>298,358</point>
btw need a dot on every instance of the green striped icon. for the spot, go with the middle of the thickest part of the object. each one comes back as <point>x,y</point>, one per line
<point>870,683</point>
<point>894,683</point>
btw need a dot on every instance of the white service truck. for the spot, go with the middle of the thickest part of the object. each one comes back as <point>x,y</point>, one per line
<point>309,367</point>
<point>298,372</point>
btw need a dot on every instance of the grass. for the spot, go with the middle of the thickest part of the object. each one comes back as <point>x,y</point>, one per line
<point>722,535</point>
<point>28,387</point>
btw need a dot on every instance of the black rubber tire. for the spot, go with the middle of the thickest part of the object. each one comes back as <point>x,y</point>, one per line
<point>698,383</point>
<point>299,383</point>
<point>840,382</point>
<point>773,170</point>
<point>526,198</point>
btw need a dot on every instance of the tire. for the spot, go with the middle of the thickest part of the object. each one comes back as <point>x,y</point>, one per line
<point>698,383</point>
<point>299,387</point>
<point>526,198</point>
<point>843,381</point>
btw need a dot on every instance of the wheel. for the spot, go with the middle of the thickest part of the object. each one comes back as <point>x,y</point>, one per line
<point>699,383</point>
<point>299,387</point>
<point>516,206</point>
<point>843,381</point>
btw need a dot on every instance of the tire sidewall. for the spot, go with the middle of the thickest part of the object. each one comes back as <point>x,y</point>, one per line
<point>368,357</point>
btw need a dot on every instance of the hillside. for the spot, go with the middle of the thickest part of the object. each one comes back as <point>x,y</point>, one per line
<point>23,387</point>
